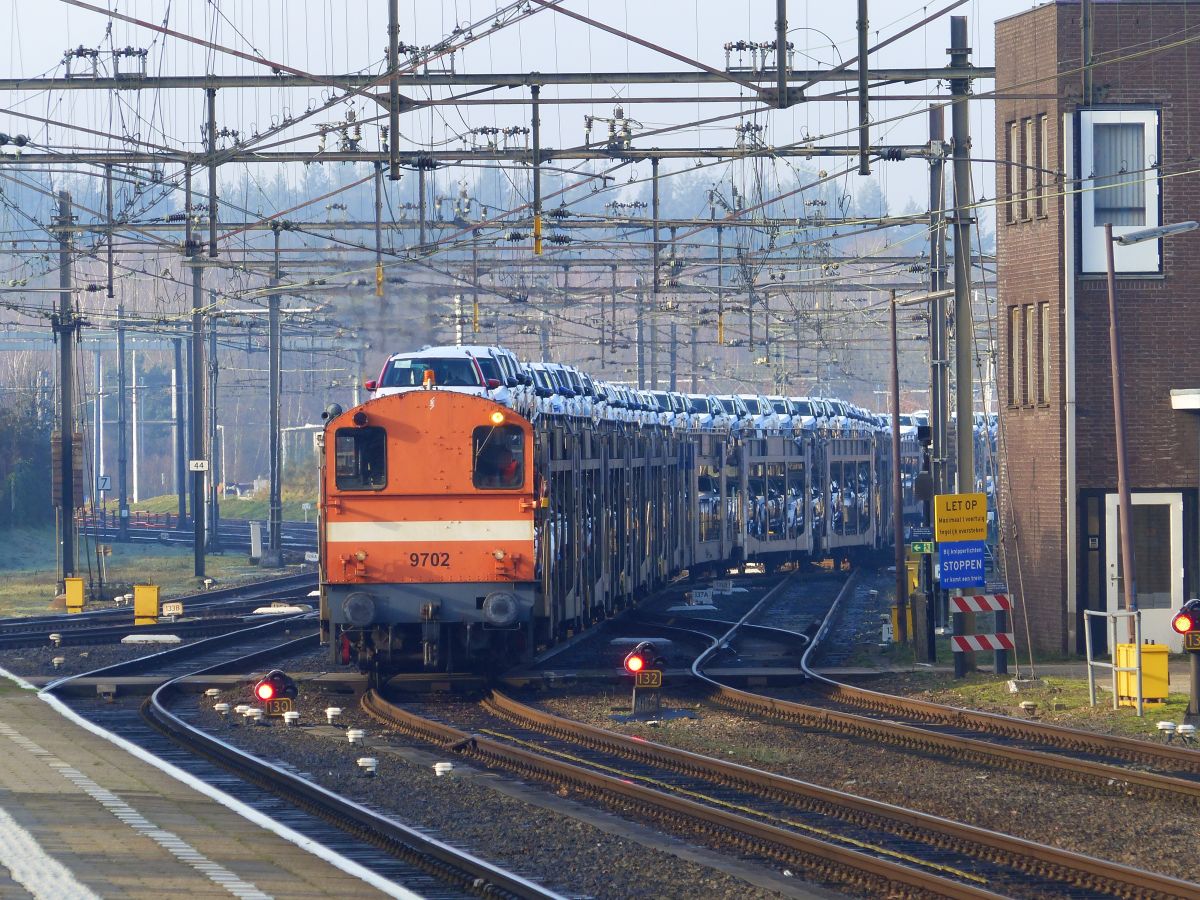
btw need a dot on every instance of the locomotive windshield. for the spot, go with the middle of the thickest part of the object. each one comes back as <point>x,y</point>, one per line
<point>446,373</point>
<point>361,458</point>
<point>499,455</point>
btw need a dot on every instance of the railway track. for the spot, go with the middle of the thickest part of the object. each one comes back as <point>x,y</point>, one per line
<point>164,724</point>
<point>233,535</point>
<point>831,836</point>
<point>101,625</point>
<point>1162,759</point>
<point>828,834</point>
<point>1109,762</point>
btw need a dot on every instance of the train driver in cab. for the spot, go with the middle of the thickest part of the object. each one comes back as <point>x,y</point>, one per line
<point>498,468</point>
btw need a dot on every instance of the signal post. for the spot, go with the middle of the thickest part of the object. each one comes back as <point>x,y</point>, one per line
<point>960,529</point>
<point>1187,623</point>
<point>646,667</point>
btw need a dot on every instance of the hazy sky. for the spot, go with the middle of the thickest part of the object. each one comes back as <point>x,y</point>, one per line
<point>330,36</point>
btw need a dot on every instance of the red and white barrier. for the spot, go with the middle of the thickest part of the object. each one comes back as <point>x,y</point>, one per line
<point>980,603</point>
<point>969,643</point>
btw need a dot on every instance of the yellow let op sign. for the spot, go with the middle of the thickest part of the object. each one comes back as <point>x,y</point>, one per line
<point>960,517</point>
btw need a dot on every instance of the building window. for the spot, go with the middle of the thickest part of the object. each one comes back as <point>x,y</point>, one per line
<point>1014,344</point>
<point>1029,172</point>
<point>1011,154</point>
<point>1119,148</point>
<point>1044,356</point>
<point>1119,153</point>
<point>1030,335</point>
<point>1043,158</point>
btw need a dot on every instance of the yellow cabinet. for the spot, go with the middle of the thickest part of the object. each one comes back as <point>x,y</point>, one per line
<point>1155,675</point>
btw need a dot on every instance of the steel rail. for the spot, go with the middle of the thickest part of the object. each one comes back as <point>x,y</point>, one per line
<point>450,864</point>
<point>1069,739</point>
<point>267,589</point>
<point>921,740</point>
<point>1079,870</point>
<point>882,877</point>
<point>102,634</point>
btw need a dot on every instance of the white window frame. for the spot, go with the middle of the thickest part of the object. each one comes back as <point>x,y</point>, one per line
<point>1043,162</point>
<point>1143,258</point>
<point>1029,182</point>
<point>1016,321</point>
<point>1030,312</point>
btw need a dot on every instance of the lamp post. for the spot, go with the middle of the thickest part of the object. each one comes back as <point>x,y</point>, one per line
<point>897,489</point>
<point>1125,513</point>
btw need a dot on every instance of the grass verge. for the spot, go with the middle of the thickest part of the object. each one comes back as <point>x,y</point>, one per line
<point>1060,699</point>
<point>28,569</point>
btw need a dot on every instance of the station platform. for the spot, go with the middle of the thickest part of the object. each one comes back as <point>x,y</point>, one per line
<point>82,818</point>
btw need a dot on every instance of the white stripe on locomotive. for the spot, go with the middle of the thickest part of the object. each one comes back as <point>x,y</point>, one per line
<point>430,532</point>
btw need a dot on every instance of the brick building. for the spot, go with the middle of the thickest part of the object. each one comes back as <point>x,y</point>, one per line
<point>1066,167</point>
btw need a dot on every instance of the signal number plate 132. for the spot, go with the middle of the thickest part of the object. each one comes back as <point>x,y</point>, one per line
<point>436,560</point>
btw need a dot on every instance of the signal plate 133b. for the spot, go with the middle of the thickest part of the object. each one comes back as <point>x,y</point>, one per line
<point>1191,640</point>
<point>648,678</point>
<point>279,705</point>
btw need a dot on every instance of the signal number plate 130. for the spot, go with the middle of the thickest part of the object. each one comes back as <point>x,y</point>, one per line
<point>437,560</point>
<point>1191,640</point>
<point>279,705</point>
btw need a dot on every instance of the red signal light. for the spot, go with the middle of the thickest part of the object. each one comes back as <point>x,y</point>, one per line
<point>642,657</point>
<point>274,686</point>
<point>1187,619</point>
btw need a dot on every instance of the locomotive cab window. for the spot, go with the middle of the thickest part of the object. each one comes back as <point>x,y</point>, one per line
<point>361,458</point>
<point>499,457</point>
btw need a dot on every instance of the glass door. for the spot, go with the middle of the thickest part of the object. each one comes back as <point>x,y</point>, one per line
<point>1157,559</point>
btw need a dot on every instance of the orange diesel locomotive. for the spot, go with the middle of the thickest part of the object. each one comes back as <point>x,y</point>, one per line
<point>427,531</point>
<point>458,535</point>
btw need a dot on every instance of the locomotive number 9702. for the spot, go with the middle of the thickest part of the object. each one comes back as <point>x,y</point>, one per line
<point>441,560</point>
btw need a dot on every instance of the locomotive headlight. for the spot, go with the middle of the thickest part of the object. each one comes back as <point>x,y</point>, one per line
<point>361,555</point>
<point>497,417</point>
<point>498,554</point>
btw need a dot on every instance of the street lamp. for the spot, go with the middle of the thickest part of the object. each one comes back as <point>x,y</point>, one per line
<point>897,488</point>
<point>1125,514</point>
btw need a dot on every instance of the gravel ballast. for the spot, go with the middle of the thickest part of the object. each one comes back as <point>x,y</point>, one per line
<point>575,853</point>
<point>583,850</point>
